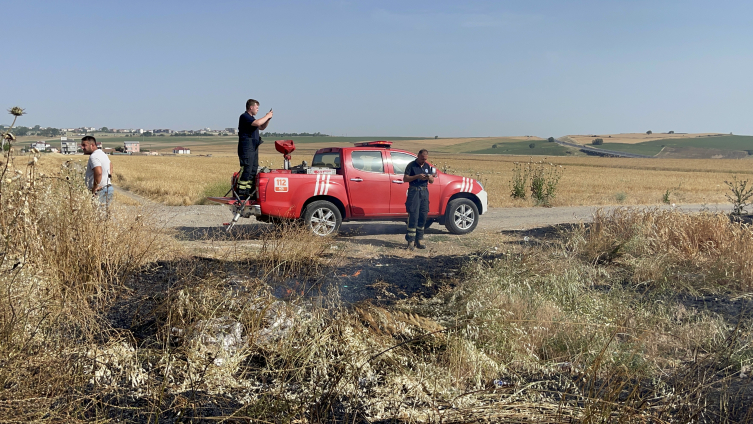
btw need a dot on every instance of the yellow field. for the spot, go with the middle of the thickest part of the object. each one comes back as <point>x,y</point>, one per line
<point>635,138</point>
<point>183,180</point>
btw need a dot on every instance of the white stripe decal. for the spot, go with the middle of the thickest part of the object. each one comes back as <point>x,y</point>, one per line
<point>326,188</point>
<point>462,188</point>
<point>316,187</point>
<point>470,190</point>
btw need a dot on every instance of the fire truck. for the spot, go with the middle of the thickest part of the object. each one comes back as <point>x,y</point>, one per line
<point>360,183</point>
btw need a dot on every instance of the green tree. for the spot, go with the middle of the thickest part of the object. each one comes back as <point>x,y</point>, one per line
<point>50,132</point>
<point>550,139</point>
<point>598,142</point>
<point>104,129</point>
<point>649,132</point>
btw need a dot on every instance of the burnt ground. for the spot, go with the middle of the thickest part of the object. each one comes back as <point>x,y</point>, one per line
<point>377,268</point>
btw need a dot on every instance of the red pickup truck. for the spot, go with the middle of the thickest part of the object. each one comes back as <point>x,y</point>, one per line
<point>361,183</point>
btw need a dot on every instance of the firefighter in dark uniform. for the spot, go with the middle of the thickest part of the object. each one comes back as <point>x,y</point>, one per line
<point>419,174</point>
<point>248,145</point>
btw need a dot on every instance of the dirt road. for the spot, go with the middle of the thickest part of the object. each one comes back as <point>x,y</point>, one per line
<point>499,219</point>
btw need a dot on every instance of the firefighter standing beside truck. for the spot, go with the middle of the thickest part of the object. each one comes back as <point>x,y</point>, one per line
<point>248,145</point>
<point>419,174</point>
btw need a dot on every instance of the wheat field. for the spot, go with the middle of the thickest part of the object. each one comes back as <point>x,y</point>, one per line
<point>586,181</point>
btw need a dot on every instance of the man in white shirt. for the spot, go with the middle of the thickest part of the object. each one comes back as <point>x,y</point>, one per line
<point>98,170</point>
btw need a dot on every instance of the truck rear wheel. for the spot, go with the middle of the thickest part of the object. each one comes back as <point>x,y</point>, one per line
<point>322,217</point>
<point>461,216</point>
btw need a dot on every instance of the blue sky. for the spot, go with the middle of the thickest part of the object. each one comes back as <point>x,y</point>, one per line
<point>412,68</point>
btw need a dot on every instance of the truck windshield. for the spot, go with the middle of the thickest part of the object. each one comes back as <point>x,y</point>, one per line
<point>327,160</point>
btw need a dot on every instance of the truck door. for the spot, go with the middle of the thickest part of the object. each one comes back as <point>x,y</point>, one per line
<point>399,189</point>
<point>368,183</point>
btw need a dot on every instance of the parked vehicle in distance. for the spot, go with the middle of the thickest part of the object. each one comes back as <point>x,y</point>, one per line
<point>360,183</point>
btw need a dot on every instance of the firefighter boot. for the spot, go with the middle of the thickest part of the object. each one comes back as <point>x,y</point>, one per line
<point>420,245</point>
<point>410,245</point>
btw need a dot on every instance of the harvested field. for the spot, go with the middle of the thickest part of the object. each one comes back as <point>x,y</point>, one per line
<point>184,180</point>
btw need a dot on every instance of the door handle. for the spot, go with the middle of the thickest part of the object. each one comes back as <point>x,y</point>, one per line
<point>358,180</point>
<point>398,181</point>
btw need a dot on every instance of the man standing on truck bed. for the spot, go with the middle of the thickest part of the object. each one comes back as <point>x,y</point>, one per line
<point>248,145</point>
<point>419,174</point>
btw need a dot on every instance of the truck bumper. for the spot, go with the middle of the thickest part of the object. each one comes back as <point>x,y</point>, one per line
<point>484,202</point>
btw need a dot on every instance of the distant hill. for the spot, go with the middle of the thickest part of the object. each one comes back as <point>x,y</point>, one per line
<point>696,146</point>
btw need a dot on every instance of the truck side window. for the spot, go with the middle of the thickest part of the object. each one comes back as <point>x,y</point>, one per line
<point>369,161</point>
<point>400,161</point>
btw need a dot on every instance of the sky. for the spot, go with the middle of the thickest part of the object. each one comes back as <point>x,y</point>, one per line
<point>386,68</point>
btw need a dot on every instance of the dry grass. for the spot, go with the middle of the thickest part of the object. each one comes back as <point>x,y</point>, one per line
<point>655,243</point>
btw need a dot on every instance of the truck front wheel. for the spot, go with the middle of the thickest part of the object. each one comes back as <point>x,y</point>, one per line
<point>322,217</point>
<point>461,216</point>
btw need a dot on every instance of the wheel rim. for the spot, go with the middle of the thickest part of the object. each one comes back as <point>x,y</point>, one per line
<point>464,217</point>
<point>323,221</point>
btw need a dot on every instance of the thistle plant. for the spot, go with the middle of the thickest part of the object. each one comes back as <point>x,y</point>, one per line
<point>544,178</point>
<point>740,195</point>
<point>520,173</point>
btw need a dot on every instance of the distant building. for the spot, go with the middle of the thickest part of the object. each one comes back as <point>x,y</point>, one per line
<point>131,147</point>
<point>231,130</point>
<point>162,131</point>
<point>182,151</point>
<point>140,131</point>
<point>39,145</point>
<point>99,144</point>
<point>108,150</point>
<point>68,147</point>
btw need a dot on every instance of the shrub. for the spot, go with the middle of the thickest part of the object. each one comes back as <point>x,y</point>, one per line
<point>494,146</point>
<point>550,139</point>
<point>671,132</point>
<point>598,142</point>
<point>532,145</point>
<point>649,132</point>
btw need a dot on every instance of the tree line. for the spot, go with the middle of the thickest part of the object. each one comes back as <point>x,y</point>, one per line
<point>35,130</point>
<point>303,134</point>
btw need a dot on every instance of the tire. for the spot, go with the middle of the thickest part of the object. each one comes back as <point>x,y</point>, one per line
<point>461,216</point>
<point>322,218</point>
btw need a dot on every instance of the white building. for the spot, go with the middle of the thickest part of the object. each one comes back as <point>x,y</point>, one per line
<point>40,145</point>
<point>182,151</point>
